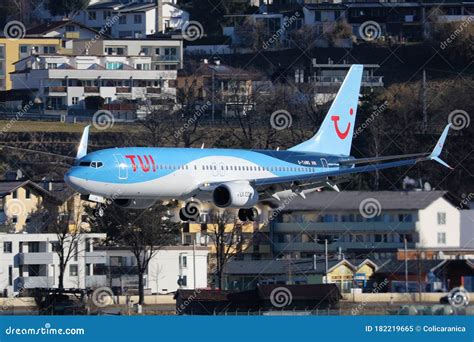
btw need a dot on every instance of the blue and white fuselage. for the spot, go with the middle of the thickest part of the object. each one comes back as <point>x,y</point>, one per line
<point>136,177</point>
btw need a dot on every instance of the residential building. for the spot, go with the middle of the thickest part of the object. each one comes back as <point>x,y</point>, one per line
<point>170,268</point>
<point>327,78</point>
<point>397,21</point>
<point>29,261</point>
<point>21,199</point>
<point>12,51</point>
<point>411,219</point>
<point>67,30</point>
<point>166,52</point>
<point>62,83</point>
<point>130,19</point>
<point>231,91</point>
<point>247,275</point>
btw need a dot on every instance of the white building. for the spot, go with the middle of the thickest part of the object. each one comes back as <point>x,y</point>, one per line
<point>134,19</point>
<point>428,220</point>
<point>29,261</point>
<point>171,268</point>
<point>63,82</point>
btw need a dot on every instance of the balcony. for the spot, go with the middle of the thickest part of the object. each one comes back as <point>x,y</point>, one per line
<point>43,258</point>
<point>95,257</point>
<point>73,35</point>
<point>120,106</point>
<point>340,227</point>
<point>123,90</point>
<point>316,247</point>
<point>91,90</point>
<point>33,282</point>
<point>166,58</point>
<point>153,90</point>
<point>328,81</point>
<point>56,89</point>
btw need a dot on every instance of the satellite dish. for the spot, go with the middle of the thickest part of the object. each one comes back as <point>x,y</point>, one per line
<point>427,186</point>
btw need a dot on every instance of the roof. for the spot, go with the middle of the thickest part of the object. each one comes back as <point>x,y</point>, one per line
<point>105,5</point>
<point>284,266</point>
<point>59,190</point>
<point>136,7</point>
<point>53,25</point>
<point>398,266</point>
<point>350,200</point>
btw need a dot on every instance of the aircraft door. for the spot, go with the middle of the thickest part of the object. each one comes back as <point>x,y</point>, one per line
<point>324,162</point>
<point>122,166</point>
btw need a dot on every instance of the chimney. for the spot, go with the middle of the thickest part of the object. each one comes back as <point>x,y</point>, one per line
<point>159,16</point>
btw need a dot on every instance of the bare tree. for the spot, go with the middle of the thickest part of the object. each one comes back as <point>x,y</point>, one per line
<point>142,231</point>
<point>225,235</point>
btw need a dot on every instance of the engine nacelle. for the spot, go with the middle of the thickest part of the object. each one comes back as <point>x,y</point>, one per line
<point>132,203</point>
<point>235,195</point>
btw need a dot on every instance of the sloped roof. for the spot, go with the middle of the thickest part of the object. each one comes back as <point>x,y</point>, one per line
<point>47,27</point>
<point>350,200</point>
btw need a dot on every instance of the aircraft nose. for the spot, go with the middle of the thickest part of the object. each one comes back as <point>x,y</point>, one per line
<point>74,180</point>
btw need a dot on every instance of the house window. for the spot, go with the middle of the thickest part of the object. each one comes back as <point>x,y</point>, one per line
<point>52,66</point>
<point>137,19</point>
<point>10,275</point>
<point>73,270</point>
<point>7,247</point>
<point>70,28</point>
<point>33,247</point>
<point>75,100</point>
<point>123,20</point>
<point>442,238</point>
<point>15,194</point>
<point>27,193</point>
<point>107,14</point>
<point>183,261</point>
<point>23,48</point>
<point>15,219</point>
<point>114,66</point>
<point>92,15</point>
<point>441,218</point>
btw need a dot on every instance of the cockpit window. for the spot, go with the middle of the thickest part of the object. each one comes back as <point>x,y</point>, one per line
<point>94,164</point>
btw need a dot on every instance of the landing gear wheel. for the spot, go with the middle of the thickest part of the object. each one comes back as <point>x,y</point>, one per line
<point>190,212</point>
<point>250,214</point>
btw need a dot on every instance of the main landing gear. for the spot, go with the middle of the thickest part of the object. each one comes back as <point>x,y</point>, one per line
<point>250,214</point>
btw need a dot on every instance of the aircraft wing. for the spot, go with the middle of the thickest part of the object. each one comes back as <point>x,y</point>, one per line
<point>314,177</point>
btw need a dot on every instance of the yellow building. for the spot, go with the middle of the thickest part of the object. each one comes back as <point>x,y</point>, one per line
<point>12,51</point>
<point>251,240</point>
<point>20,199</point>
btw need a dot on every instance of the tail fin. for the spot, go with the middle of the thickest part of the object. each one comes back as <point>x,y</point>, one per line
<point>335,134</point>
<point>82,149</point>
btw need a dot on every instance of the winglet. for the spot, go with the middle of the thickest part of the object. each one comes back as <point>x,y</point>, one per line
<point>82,149</point>
<point>439,147</point>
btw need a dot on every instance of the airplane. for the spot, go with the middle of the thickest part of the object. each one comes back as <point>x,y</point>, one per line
<point>136,177</point>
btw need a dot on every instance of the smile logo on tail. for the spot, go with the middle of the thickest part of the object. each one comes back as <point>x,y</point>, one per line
<point>341,135</point>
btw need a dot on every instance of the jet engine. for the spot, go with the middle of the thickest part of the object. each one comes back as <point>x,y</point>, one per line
<point>235,195</point>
